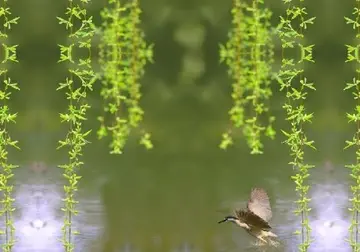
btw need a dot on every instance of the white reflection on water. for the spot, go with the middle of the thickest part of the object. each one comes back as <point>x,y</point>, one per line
<point>38,224</point>
<point>128,247</point>
<point>38,219</point>
<point>328,218</point>
<point>330,226</point>
<point>185,247</point>
<point>89,222</point>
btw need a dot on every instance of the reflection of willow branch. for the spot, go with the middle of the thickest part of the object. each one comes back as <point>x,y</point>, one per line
<point>303,214</point>
<point>6,117</point>
<point>71,128</point>
<point>358,140</point>
<point>79,81</point>
<point>295,108</point>
<point>353,55</point>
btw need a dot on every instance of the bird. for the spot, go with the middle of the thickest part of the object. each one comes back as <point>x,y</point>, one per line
<point>255,218</point>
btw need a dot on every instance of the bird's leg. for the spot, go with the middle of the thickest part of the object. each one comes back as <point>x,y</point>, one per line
<point>270,234</point>
<point>261,238</point>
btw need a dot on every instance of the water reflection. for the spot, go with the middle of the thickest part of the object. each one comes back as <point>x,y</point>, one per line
<point>128,247</point>
<point>38,219</point>
<point>330,222</point>
<point>330,228</point>
<point>37,200</point>
<point>185,247</point>
<point>89,221</point>
<point>328,219</point>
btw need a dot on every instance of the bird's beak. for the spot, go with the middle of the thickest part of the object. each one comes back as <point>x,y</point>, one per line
<point>222,221</point>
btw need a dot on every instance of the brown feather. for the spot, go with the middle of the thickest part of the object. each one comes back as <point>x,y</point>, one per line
<point>251,219</point>
<point>259,204</point>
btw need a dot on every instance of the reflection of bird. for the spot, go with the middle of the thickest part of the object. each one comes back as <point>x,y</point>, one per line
<point>38,167</point>
<point>255,218</point>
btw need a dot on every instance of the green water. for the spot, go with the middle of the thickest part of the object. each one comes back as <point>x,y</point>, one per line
<point>171,198</point>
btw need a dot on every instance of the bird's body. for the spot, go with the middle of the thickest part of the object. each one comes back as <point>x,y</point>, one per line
<point>254,219</point>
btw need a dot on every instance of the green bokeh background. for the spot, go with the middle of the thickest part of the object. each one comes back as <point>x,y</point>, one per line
<point>175,189</point>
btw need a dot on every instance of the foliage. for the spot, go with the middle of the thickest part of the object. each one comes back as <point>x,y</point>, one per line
<point>353,56</point>
<point>77,85</point>
<point>296,86</point>
<point>123,56</point>
<point>6,117</point>
<point>249,54</point>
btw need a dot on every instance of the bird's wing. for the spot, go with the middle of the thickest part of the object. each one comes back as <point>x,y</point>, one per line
<point>259,204</point>
<point>252,219</point>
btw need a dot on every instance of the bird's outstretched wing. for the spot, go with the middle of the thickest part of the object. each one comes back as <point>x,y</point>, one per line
<point>252,219</point>
<point>259,204</point>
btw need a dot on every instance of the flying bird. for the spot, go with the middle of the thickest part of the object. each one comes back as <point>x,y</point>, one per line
<point>254,219</point>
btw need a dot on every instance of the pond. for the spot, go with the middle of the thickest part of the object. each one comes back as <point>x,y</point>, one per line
<point>172,197</point>
<point>176,212</point>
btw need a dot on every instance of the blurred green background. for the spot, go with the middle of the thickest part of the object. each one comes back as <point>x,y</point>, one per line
<point>159,199</point>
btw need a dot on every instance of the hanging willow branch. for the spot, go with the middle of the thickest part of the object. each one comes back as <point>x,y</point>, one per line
<point>6,117</point>
<point>123,56</point>
<point>354,86</point>
<point>77,85</point>
<point>249,54</point>
<point>295,85</point>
